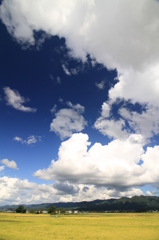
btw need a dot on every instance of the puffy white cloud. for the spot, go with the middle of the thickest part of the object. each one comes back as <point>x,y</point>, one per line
<point>105,110</point>
<point>9,164</point>
<point>145,123</point>
<point>114,165</point>
<point>138,86</point>
<point>151,163</point>
<point>29,141</point>
<point>114,169</point>
<point>110,127</point>
<point>68,121</point>
<point>20,191</point>
<point>15,100</point>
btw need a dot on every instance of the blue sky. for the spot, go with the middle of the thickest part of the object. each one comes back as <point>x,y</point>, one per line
<point>78,100</point>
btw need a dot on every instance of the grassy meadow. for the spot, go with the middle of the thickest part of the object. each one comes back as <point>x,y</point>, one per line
<point>102,226</point>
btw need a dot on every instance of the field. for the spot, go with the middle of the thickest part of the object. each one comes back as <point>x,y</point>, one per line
<point>78,227</point>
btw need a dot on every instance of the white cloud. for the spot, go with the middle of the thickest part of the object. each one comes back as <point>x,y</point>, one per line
<point>15,100</point>
<point>151,163</point>
<point>105,110</point>
<point>71,71</point>
<point>100,85</point>
<point>110,127</point>
<point>145,123</point>
<point>68,121</point>
<point>114,165</point>
<point>67,72</point>
<point>1,168</point>
<point>29,141</point>
<point>9,164</point>
<point>20,191</point>
<point>138,86</point>
<point>78,107</point>
<point>18,139</point>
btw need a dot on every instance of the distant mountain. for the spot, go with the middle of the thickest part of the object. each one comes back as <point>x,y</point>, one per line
<point>137,203</point>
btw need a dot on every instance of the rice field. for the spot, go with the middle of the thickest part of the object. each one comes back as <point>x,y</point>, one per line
<point>101,226</point>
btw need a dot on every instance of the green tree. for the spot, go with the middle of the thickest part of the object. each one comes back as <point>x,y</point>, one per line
<point>52,210</point>
<point>62,210</point>
<point>21,209</point>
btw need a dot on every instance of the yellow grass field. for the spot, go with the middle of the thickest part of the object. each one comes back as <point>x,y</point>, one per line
<point>78,227</point>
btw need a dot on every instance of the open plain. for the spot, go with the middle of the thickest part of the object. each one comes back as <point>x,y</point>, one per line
<point>101,226</point>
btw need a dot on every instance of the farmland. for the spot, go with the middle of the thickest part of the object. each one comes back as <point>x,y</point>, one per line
<point>83,226</point>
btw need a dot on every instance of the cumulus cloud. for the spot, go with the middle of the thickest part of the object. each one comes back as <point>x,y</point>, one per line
<point>68,121</point>
<point>110,127</point>
<point>20,191</point>
<point>29,141</point>
<point>9,164</point>
<point>114,165</point>
<point>145,123</point>
<point>14,99</point>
